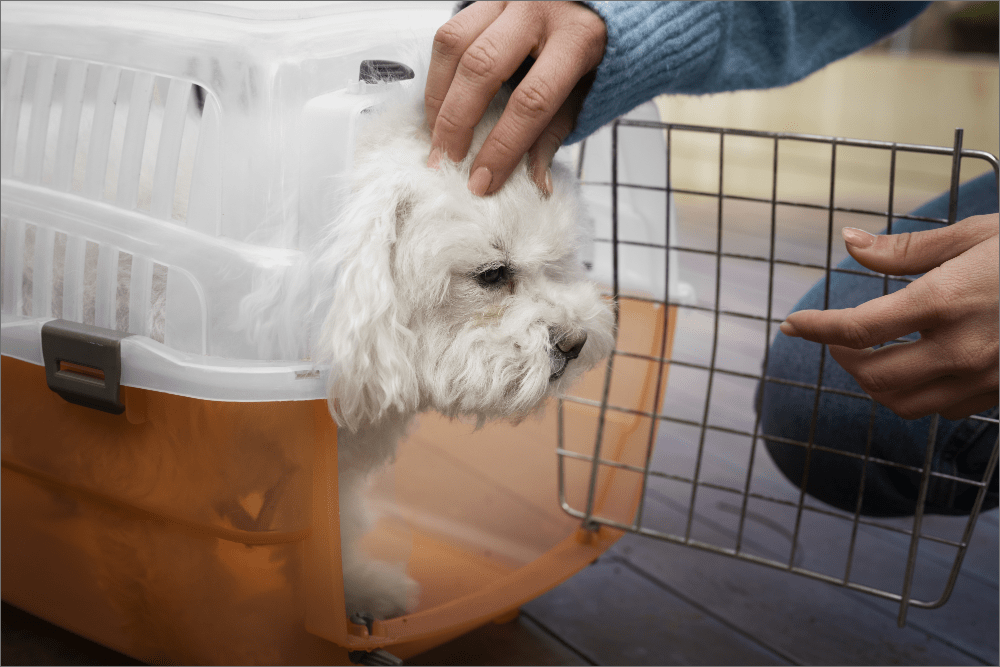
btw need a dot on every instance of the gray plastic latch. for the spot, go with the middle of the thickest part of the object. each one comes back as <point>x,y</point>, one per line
<point>83,364</point>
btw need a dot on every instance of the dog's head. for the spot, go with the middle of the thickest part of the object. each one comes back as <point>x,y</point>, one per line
<point>448,301</point>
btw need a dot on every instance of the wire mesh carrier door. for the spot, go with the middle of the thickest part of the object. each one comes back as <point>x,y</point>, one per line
<point>751,220</point>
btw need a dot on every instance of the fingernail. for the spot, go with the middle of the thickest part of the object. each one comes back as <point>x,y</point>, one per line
<point>857,238</point>
<point>435,159</point>
<point>480,181</point>
<point>789,329</point>
<point>543,180</point>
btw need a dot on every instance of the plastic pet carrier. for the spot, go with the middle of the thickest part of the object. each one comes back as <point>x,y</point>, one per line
<point>169,489</point>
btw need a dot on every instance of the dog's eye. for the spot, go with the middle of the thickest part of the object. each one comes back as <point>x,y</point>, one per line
<point>493,276</point>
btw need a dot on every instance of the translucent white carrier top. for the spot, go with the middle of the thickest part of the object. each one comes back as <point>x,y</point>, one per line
<point>160,161</point>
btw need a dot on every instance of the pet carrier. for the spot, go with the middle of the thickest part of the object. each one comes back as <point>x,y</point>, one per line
<point>170,487</point>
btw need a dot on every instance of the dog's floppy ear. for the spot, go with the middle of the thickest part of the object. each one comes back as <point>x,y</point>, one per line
<point>365,336</point>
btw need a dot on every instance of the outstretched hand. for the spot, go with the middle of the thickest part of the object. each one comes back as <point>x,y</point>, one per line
<point>953,368</point>
<point>481,47</point>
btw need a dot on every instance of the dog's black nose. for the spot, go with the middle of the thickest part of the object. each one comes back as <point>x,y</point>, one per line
<point>572,344</point>
<point>565,348</point>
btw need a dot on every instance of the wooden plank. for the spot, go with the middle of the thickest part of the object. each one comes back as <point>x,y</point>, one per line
<point>613,615</point>
<point>879,555</point>
<point>810,621</point>
<point>520,642</point>
<point>968,621</point>
<point>982,556</point>
<point>29,640</point>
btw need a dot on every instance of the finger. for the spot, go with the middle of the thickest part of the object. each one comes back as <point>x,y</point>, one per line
<point>491,59</point>
<point>450,42</point>
<point>917,252</point>
<point>544,150</point>
<point>540,158</point>
<point>889,368</point>
<point>873,322</point>
<point>970,406</point>
<point>532,107</point>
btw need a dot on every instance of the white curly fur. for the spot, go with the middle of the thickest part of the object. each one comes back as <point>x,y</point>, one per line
<point>413,325</point>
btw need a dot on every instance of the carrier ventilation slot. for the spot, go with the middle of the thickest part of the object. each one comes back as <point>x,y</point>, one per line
<point>132,139</point>
<point>52,274</point>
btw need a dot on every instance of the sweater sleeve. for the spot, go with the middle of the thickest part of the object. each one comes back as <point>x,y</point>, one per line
<point>696,48</point>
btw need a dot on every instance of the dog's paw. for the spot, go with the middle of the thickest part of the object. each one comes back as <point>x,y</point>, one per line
<point>379,589</point>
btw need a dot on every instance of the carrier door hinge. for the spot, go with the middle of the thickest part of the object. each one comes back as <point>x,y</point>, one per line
<point>83,364</point>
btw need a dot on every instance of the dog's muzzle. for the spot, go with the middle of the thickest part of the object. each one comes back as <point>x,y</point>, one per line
<point>565,349</point>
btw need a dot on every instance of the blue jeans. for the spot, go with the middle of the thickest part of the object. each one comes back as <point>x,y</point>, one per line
<point>962,447</point>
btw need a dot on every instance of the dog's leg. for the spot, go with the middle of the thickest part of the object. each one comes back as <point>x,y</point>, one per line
<point>371,587</point>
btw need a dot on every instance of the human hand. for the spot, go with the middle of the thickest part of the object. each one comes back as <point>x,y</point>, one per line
<point>952,369</point>
<point>479,49</point>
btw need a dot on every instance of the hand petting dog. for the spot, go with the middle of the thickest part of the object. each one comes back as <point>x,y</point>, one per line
<point>484,45</point>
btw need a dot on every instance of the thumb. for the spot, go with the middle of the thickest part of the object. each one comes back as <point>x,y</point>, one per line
<point>911,253</point>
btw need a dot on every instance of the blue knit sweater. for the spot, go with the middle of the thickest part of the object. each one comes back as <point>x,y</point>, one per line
<point>709,47</point>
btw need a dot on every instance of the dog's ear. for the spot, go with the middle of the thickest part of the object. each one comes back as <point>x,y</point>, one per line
<point>365,337</point>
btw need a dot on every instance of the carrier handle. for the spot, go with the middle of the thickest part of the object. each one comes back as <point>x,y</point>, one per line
<point>374,71</point>
<point>83,364</point>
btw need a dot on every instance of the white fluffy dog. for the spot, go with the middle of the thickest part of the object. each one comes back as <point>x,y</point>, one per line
<point>444,301</point>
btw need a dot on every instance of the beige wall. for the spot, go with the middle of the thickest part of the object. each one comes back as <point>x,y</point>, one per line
<point>912,99</point>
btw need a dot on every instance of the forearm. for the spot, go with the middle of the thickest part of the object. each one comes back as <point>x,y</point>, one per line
<point>709,47</point>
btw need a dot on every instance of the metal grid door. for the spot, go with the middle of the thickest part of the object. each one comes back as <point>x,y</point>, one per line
<point>751,502</point>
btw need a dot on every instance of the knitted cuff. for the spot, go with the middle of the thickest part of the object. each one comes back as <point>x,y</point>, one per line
<point>653,47</point>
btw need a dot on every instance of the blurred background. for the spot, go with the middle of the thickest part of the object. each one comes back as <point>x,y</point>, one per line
<point>938,73</point>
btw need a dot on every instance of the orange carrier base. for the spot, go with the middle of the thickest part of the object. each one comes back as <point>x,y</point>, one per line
<point>190,531</point>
